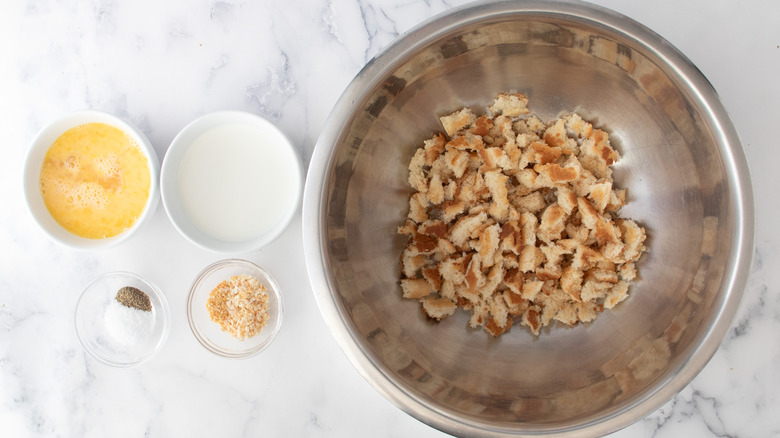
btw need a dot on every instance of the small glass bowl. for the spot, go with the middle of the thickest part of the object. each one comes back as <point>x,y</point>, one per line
<point>209,333</point>
<point>96,319</point>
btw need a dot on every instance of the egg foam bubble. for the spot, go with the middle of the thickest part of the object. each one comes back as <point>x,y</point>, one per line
<point>95,181</point>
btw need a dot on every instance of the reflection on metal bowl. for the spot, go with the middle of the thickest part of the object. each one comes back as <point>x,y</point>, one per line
<point>687,184</point>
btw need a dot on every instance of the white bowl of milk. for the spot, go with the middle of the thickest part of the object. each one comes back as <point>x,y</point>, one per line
<point>231,182</point>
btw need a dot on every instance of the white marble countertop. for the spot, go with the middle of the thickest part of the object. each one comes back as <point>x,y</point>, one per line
<point>159,65</point>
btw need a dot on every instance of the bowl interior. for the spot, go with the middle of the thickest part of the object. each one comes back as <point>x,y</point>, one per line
<point>32,175</point>
<point>209,333</point>
<point>292,178</point>
<point>92,312</point>
<point>676,165</point>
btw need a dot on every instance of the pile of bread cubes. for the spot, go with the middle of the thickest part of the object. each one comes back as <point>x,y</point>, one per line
<point>517,221</point>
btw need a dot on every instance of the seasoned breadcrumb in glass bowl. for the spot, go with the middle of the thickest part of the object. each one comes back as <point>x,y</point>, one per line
<point>234,308</point>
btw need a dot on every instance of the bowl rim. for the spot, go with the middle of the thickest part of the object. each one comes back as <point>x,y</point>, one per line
<point>735,275</point>
<point>274,290</point>
<point>32,170</point>
<point>169,186</point>
<point>165,318</point>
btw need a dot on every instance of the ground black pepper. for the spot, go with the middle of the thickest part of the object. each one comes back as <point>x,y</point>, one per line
<point>132,297</point>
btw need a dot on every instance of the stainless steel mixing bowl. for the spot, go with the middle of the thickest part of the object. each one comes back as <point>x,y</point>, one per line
<point>688,185</point>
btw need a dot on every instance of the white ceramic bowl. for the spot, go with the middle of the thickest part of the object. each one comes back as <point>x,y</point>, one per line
<point>222,185</point>
<point>32,172</point>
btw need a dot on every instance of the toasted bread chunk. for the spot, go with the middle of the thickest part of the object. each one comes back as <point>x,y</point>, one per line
<point>581,185</point>
<point>499,315</point>
<point>452,209</point>
<point>453,269</point>
<point>597,145</point>
<point>488,244</point>
<point>437,228</point>
<point>555,135</point>
<point>634,237</point>
<point>411,263</point>
<point>438,308</point>
<point>418,207</point>
<point>596,167</point>
<point>416,288</point>
<point>423,244</point>
<point>457,121</point>
<point>436,190</point>
<point>474,277</point>
<point>545,154</point>
<point>602,275</point>
<point>552,224</point>
<point>493,280</point>
<point>530,258</point>
<point>445,249</point>
<point>531,319</point>
<point>459,233</point>
<point>493,327</point>
<point>553,175</point>
<point>480,315</point>
<point>482,126</point>
<point>585,258</point>
<point>580,233</point>
<point>524,140</point>
<point>514,280</point>
<point>567,314</point>
<point>496,184</point>
<point>528,226</point>
<point>510,105</point>
<point>514,303</point>
<point>593,291</point>
<point>548,272</point>
<point>531,289</point>
<point>434,147</point>
<point>627,271</point>
<point>409,228</point>
<point>553,252</point>
<point>596,154</point>
<point>601,228</point>
<point>433,277</point>
<point>531,125</point>
<point>512,150</point>
<point>588,312</point>
<point>457,161</point>
<point>533,202</point>
<point>601,194</point>
<point>566,199</point>
<point>527,178</point>
<point>466,142</point>
<point>617,199</point>
<point>578,127</point>
<point>511,238</point>
<point>417,178</point>
<point>571,282</point>
<point>617,294</point>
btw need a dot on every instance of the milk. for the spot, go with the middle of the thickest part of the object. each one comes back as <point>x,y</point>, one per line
<point>236,182</point>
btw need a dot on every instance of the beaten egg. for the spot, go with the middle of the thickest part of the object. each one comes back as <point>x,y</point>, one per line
<point>95,181</point>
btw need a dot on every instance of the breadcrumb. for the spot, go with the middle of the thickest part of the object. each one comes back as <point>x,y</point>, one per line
<point>239,305</point>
